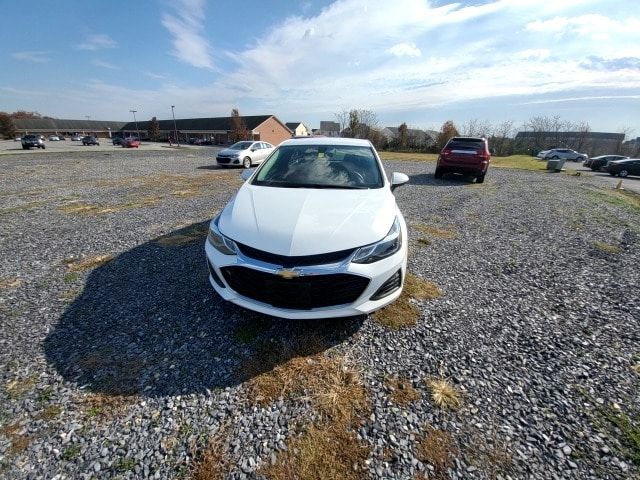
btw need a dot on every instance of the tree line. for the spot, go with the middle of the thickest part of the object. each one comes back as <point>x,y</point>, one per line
<point>542,132</point>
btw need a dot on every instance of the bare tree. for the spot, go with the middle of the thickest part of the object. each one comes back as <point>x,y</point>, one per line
<point>7,127</point>
<point>403,136</point>
<point>342,118</point>
<point>238,127</point>
<point>501,139</point>
<point>476,128</point>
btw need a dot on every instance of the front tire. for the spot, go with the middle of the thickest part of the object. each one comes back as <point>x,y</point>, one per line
<point>438,173</point>
<point>246,163</point>
<point>623,173</point>
<point>480,178</point>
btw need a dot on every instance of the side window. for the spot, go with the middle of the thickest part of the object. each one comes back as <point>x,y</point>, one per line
<point>256,146</point>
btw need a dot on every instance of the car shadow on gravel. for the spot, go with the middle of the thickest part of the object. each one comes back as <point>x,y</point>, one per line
<point>148,323</point>
<point>448,179</point>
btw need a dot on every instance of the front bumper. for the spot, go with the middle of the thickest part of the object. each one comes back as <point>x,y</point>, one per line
<point>376,274</point>
<point>227,161</point>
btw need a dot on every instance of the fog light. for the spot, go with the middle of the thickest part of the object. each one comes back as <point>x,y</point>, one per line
<point>388,287</point>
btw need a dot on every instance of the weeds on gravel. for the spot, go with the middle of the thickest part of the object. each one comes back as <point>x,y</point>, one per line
<point>70,453</point>
<point>438,449</point>
<point>443,394</point>
<point>401,390</point>
<point>248,331</point>
<point>10,283</point>
<point>622,198</point>
<point>606,247</point>
<point>124,465</point>
<point>98,404</point>
<point>424,241</point>
<point>629,429</point>
<point>446,233</point>
<point>491,455</point>
<point>212,463</point>
<point>403,313</point>
<point>185,236</point>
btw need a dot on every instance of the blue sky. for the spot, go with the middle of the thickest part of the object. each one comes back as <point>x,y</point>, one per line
<point>417,61</point>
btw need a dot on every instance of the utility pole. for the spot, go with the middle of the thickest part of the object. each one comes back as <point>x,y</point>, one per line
<point>136,122</point>
<point>175,129</point>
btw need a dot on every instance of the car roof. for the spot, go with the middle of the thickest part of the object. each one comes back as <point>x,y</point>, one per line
<point>335,141</point>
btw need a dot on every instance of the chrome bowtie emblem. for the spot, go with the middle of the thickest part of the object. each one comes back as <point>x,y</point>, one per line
<point>287,274</point>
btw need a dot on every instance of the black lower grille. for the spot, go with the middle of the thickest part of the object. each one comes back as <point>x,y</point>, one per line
<point>223,160</point>
<point>298,261</point>
<point>388,287</point>
<point>300,293</point>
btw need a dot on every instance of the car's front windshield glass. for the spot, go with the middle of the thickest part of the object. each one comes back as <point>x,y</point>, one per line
<point>320,166</point>
<point>240,146</point>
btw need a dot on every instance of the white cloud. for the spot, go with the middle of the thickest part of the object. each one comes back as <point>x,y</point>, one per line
<point>405,50</point>
<point>97,41</point>
<point>185,23</point>
<point>32,56</point>
<point>597,26</point>
<point>103,64</point>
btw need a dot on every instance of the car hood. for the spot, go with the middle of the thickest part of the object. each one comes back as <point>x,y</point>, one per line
<point>229,152</point>
<point>300,221</point>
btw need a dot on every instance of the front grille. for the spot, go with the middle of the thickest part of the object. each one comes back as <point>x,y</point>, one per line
<point>223,160</point>
<point>299,261</point>
<point>300,293</point>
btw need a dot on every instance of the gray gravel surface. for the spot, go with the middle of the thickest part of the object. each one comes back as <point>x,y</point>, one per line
<point>127,369</point>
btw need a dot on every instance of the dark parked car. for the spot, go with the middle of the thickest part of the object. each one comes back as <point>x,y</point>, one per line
<point>118,141</point>
<point>467,155</point>
<point>623,168</point>
<point>596,163</point>
<point>29,141</point>
<point>90,141</point>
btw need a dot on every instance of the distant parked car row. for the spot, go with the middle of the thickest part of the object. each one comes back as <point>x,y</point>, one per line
<point>596,163</point>
<point>562,153</point>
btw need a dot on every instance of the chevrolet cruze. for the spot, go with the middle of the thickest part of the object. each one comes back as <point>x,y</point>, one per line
<point>314,232</point>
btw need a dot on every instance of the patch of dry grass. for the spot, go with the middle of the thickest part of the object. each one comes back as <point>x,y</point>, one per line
<point>606,247</point>
<point>410,156</point>
<point>23,207</point>
<point>19,443</point>
<point>185,236</point>
<point>50,412</point>
<point>212,463</point>
<point>327,452</point>
<point>401,390</point>
<point>10,283</point>
<point>77,207</point>
<point>489,455</point>
<point>334,389</point>
<point>438,449</point>
<point>404,313</point>
<point>87,263</point>
<point>424,241</point>
<point>103,405</point>
<point>445,233</point>
<point>19,386</point>
<point>444,395</point>
<point>185,193</point>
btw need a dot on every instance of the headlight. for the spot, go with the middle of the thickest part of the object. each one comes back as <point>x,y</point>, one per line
<point>221,243</point>
<point>382,249</point>
<point>235,155</point>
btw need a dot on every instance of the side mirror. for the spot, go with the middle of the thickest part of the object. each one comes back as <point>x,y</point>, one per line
<point>253,149</point>
<point>398,179</point>
<point>246,173</point>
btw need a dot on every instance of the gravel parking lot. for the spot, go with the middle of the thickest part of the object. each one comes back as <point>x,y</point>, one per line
<point>117,359</point>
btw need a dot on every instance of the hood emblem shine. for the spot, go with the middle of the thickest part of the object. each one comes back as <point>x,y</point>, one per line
<point>287,274</point>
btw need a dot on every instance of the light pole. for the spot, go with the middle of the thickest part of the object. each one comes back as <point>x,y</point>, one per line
<point>136,122</point>
<point>175,129</point>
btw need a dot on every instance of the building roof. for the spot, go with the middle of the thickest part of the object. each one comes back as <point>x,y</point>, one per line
<point>202,124</point>
<point>293,125</point>
<point>57,124</point>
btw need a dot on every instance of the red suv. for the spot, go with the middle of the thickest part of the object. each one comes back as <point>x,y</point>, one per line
<point>467,155</point>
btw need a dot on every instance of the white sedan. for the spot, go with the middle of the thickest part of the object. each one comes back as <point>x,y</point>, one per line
<point>245,153</point>
<point>314,232</point>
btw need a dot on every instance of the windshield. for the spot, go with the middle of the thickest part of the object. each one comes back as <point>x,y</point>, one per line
<point>320,166</point>
<point>240,146</point>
